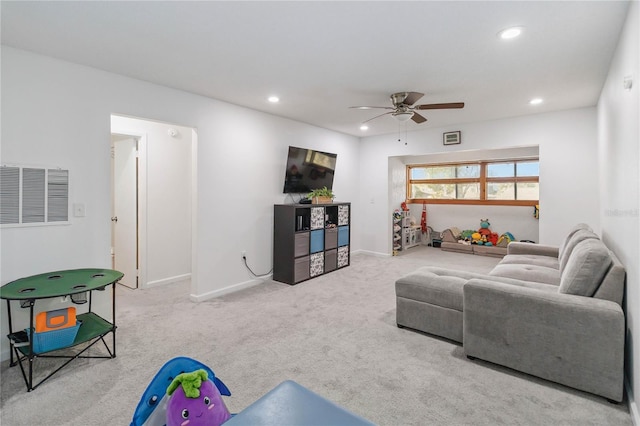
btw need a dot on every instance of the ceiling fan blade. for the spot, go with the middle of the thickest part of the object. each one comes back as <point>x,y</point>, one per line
<point>370,107</point>
<point>412,98</point>
<point>441,106</point>
<point>373,118</point>
<point>418,118</point>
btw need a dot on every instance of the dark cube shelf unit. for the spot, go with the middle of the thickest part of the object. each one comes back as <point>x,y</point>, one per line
<point>310,240</point>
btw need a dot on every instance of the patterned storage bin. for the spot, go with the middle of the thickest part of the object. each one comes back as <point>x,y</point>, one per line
<point>57,339</point>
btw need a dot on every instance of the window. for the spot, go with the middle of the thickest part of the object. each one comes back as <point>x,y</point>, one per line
<point>30,195</point>
<point>512,182</point>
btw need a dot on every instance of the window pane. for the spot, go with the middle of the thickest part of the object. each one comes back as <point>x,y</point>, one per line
<point>501,191</point>
<point>433,191</point>
<point>468,191</point>
<point>528,168</point>
<point>500,170</point>
<point>418,173</point>
<point>468,171</point>
<point>528,191</point>
<point>443,172</point>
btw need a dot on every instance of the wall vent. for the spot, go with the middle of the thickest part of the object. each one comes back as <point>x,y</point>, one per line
<point>33,195</point>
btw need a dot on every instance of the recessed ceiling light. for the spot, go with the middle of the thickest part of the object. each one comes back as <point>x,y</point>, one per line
<point>509,33</point>
<point>274,99</point>
<point>535,101</point>
<point>364,127</point>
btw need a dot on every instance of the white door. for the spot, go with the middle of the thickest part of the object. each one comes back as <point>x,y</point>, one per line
<point>124,218</point>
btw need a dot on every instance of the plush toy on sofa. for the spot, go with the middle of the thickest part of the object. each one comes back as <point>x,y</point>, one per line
<point>195,401</point>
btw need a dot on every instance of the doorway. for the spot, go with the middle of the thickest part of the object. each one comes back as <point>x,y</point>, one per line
<point>124,204</point>
<point>153,201</point>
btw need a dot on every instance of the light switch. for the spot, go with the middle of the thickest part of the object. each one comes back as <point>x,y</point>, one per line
<point>78,210</point>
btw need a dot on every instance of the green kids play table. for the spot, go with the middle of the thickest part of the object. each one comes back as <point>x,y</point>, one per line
<point>79,285</point>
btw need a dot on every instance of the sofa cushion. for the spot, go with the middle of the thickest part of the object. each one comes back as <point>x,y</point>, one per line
<point>457,247</point>
<point>493,251</point>
<point>572,231</point>
<point>437,286</point>
<point>587,266</point>
<point>536,273</point>
<point>531,259</point>
<point>576,239</point>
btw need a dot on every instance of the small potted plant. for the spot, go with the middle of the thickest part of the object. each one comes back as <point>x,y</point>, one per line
<point>321,196</point>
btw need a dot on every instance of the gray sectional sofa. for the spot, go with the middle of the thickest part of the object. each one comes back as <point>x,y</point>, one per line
<point>553,312</point>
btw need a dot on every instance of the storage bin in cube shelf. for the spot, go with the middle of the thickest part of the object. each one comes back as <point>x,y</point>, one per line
<point>57,339</point>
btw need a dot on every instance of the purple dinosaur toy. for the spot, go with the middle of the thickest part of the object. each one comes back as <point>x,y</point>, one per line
<point>195,401</point>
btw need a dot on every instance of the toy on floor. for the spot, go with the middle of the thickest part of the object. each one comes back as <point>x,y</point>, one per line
<point>484,236</point>
<point>152,408</point>
<point>195,401</point>
<point>505,239</point>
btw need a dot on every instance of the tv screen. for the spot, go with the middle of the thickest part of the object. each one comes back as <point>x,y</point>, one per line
<point>308,170</point>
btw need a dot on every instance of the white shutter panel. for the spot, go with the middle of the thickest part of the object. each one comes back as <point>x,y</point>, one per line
<point>33,189</point>
<point>58,196</point>
<point>9,195</point>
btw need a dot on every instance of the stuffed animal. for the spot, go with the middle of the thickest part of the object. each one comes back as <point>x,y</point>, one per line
<point>476,238</point>
<point>484,227</point>
<point>466,234</point>
<point>505,239</point>
<point>195,401</point>
<point>487,237</point>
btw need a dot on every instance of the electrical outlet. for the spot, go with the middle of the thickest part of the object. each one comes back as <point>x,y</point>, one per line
<point>243,255</point>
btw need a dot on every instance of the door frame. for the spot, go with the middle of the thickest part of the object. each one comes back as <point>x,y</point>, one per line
<point>142,203</point>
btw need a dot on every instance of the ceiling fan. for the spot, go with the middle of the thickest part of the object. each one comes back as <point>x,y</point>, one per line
<point>404,110</point>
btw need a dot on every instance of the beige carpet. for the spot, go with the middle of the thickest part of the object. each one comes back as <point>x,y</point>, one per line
<point>335,335</point>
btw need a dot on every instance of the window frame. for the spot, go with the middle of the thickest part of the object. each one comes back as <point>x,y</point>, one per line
<point>483,180</point>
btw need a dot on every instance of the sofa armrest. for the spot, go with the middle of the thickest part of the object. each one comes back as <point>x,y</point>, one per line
<point>573,340</point>
<point>517,247</point>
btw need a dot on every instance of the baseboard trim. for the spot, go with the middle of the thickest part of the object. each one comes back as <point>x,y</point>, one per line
<point>370,253</point>
<point>170,280</point>
<point>631,403</point>
<point>231,289</point>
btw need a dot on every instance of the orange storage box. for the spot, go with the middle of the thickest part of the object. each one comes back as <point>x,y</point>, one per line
<point>56,320</point>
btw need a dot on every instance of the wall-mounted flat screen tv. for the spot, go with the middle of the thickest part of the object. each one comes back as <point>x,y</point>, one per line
<point>308,170</point>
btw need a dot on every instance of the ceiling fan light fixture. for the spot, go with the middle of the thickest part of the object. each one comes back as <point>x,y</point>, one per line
<point>403,116</point>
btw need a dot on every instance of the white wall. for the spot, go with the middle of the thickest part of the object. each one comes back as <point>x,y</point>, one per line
<point>618,136</point>
<point>165,199</point>
<point>55,112</point>
<point>568,174</point>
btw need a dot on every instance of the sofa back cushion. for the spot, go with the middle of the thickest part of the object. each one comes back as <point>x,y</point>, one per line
<point>586,268</point>
<point>579,236</point>
<point>576,228</point>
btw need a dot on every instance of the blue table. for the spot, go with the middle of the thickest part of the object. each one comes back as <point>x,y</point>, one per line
<point>290,404</point>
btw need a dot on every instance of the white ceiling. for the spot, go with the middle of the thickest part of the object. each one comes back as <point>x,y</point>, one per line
<point>322,57</point>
